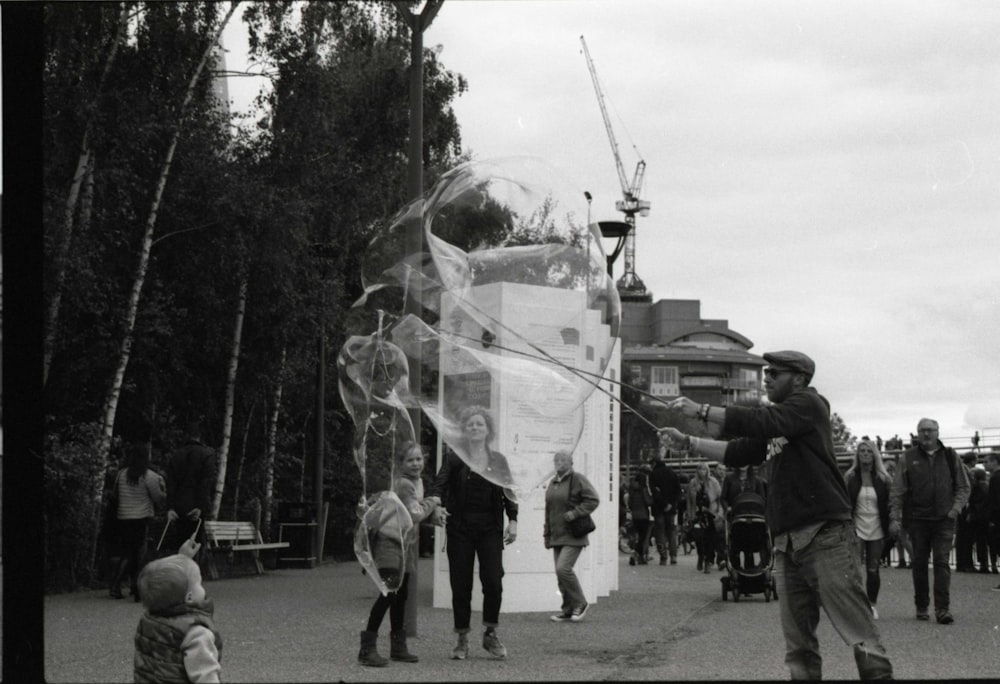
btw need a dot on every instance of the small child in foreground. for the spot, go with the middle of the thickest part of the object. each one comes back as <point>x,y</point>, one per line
<point>176,640</point>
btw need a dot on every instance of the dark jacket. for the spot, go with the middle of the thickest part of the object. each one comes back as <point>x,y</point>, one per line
<point>853,480</point>
<point>805,485</point>
<point>639,497</point>
<point>979,502</point>
<point>572,493</point>
<point>994,496</point>
<point>925,483</point>
<point>450,485</point>
<point>158,655</point>
<point>190,477</point>
<point>665,486</point>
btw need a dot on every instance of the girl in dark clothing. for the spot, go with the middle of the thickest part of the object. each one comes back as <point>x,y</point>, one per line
<point>868,487</point>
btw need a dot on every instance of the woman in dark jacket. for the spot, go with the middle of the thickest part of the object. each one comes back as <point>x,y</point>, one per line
<point>640,498</point>
<point>868,486</point>
<point>475,508</point>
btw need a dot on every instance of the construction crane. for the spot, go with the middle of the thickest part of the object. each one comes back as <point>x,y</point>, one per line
<point>630,204</point>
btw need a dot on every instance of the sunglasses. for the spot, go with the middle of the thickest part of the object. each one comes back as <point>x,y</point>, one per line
<point>775,372</point>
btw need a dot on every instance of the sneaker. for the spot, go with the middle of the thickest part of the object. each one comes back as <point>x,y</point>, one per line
<point>461,650</point>
<point>944,617</point>
<point>631,559</point>
<point>562,617</point>
<point>673,561</point>
<point>874,612</point>
<point>579,612</point>
<point>663,561</point>
<point>492,644</point>
<point>996,588</point>
<point>923,614</point>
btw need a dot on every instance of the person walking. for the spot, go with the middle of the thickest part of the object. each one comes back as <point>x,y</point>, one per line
<point>993,495</point>
<point>475,509</point>
<point>190,474</point>
<point>979,515</point>
<point>568,496</point>
<point>930,479</point>
<point>808,511</point>
<point>666,490</point>
<point>640,500</point>
<point>138,490</point>
<point>868,486</point>
<point>964,527</point>
<point>704,512</point>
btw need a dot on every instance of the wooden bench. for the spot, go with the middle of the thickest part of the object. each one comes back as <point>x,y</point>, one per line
<point>230,536</point>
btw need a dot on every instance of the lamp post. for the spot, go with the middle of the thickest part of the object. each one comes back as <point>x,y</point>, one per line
<point>418,23</point>
<point>324,252</point>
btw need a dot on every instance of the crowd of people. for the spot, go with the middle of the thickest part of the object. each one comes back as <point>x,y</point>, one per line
<point>831,532</point>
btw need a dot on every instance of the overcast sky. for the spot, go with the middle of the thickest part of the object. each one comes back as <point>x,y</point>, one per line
<point>823,175</point>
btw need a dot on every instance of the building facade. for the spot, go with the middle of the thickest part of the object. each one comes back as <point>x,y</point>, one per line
<point>669,350</point>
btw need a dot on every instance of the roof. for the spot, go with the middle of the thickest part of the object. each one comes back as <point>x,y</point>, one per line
<point>667,353</point>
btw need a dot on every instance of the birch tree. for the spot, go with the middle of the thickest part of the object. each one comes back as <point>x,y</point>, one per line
<point>132,307</point>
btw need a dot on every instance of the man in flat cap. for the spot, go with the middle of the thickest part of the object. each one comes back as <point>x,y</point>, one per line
<point>808,511</point>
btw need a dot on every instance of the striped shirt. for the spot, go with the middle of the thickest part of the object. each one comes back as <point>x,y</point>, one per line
<point>136,501</point>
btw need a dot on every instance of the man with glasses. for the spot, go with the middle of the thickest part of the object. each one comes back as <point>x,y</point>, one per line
<point>933,482</point>
<point>808,511</point>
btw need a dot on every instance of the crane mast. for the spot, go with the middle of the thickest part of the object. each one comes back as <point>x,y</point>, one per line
<point>630,204</point>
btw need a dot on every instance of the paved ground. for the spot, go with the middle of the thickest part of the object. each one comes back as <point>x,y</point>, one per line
<point>664,623</point>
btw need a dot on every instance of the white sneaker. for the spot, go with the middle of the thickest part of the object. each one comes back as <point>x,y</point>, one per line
<point>562,617</point>
<point>874,612</point>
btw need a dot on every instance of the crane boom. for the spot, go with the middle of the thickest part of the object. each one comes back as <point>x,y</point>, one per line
<point>630,204</point>
<point>607,120</point>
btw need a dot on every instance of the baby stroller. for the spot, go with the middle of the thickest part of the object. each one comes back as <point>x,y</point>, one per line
<point>748,550</point>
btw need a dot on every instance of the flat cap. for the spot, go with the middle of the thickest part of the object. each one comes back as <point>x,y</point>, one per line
<point>797,362</point>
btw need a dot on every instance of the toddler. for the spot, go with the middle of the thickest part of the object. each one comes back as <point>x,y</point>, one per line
<point>176,640</point>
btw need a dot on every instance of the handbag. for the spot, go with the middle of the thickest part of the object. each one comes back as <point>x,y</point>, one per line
<point>583,525</point>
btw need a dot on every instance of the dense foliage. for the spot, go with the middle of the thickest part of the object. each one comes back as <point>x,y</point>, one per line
<point>271,221</point>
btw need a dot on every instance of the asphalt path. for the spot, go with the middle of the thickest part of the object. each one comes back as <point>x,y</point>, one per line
<point>664,623</point>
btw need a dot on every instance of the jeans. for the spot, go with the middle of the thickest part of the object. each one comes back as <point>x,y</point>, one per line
<point>931,537</point>
<point>642,539</point>
<point>665,532</point>
<point>569,586</point>
<point>871,552</point>
<point>827,573</point>
<point>463,547</point>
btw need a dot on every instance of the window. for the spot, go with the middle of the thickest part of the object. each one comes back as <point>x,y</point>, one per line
<point>664,382</point>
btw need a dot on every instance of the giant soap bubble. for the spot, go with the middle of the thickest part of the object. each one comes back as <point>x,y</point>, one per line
<point>504,304</point>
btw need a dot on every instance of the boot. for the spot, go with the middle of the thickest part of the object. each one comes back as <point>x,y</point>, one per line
<point>119,577</point>
<point>368,655</point>
<point>397,647</point>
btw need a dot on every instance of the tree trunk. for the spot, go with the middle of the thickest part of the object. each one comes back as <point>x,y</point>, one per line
<point>243,458</point>
<point>227,424</point>
<point>272,440</point>
<point>114,391</point>
<point>65,237</point>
